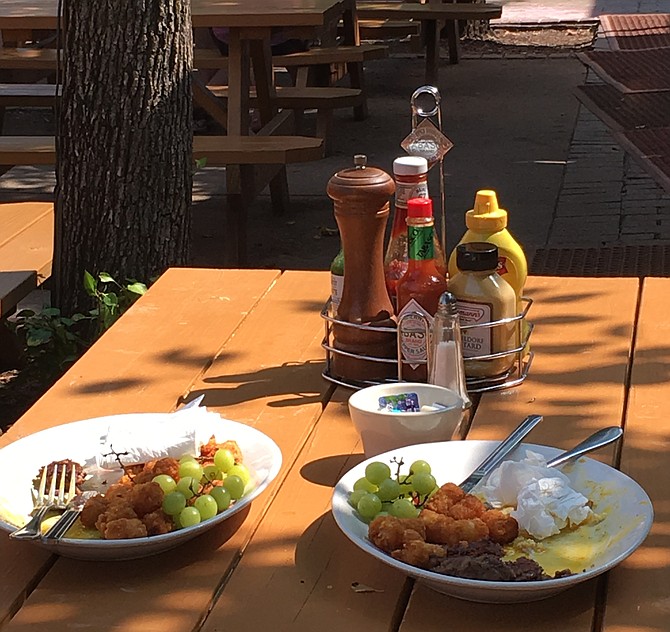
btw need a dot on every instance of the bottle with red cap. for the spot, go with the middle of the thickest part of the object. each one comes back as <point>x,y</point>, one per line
<point>411,181</point>
<point>418,290</point>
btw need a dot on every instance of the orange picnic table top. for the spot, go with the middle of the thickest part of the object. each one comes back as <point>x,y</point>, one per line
<point>250,341</point>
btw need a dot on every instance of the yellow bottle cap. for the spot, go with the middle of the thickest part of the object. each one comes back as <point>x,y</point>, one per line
<point>486,216</point>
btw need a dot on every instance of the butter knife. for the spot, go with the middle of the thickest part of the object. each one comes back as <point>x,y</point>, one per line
<point>500,452</point>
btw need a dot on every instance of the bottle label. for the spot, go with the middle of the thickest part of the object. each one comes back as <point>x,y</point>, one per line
<point>420,244</point>
<point>336,287</point>
<point>502,265</point>
<point>405,191</point>
<point>414,323</point>
<point>477,341</point>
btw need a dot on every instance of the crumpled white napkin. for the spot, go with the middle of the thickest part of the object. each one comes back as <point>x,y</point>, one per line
<point>543,499</point>
<point>170,435</point>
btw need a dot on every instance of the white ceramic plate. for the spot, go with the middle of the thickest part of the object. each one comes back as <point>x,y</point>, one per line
<point>627,507</point>
<point>20,461</point>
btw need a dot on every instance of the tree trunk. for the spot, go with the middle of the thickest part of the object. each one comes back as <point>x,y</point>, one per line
<point>124,140</point>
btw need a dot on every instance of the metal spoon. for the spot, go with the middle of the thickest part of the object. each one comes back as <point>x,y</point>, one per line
<point>597,440</point>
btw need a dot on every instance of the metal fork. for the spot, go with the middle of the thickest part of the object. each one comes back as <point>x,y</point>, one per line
<point>69,516</point>
<point>54,499</point>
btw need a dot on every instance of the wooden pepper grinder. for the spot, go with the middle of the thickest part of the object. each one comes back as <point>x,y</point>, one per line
<point>361,200</point>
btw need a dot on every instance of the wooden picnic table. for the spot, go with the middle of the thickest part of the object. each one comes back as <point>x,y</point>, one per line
<point>250,23</point>
<point>250,342</point>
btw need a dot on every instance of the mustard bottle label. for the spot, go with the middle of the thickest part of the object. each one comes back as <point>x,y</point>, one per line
<point>414,323</point>
<point>477,341</point>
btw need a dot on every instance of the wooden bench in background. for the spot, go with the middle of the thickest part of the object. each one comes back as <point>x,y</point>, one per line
<point>430,16</point>
<point>263,153</point>
<point>318,67</point>
<point>26,252</point>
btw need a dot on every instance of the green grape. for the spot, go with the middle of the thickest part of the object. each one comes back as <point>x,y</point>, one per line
<point>167,483</point>
<point>381,514</point>
<point>389,489</point>
<point>369,506</point>
<point>211,473</point>
<point>406,489</point>
<point>207,506</point>
<point>423,483</point>
<point>419,466</point>
<point>188,486</point>
<point>186,457</point>
<point>365,485</point>
<point>189,517</point>
<point>224,459</point>
<point>377,471</point>
<point>222,498</point>
<point>192,469</point>
<point>355,496</point>
<point>403,508</point>
<point>173,503</point>
<point>235,486</point>
<point>242,471</point>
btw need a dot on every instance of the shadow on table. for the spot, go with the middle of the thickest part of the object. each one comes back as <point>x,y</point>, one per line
<point>300,381</point>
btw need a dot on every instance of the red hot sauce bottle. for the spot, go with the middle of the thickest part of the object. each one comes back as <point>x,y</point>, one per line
<point>418,290</point>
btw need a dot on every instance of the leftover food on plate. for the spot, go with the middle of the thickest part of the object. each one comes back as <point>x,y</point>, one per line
<point>160,495</point>
<point>524,523</point>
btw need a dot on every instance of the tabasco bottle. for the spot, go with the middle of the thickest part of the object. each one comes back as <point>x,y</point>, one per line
<point>418,290</point>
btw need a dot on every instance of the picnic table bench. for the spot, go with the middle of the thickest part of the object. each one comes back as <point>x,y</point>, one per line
<point>430,15</point>
<point>26,250</point>
<point>250,26</point>
<point>249,341</point>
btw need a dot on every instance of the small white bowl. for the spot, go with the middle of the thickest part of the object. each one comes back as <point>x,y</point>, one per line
<point>383,430</point>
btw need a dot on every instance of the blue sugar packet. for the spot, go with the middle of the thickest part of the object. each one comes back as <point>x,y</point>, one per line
<point>401,403</point>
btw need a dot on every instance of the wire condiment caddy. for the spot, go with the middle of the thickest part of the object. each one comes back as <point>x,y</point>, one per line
<point>522,358</point>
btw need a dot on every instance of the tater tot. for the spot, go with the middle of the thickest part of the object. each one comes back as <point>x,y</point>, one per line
<point>503,528</point>
<point>116,509</point>
<point>92,509</point>
<point>124,528</point>
<point>157,523</point>
<point>448,495</point>
<point>418,553</point>
<point>390,533</point>
<point>118,491</point>
<point>471,530</point>
<point>167,466</point>
<point>146,497</point>
<point>467,508</point>
<point>439,528</point>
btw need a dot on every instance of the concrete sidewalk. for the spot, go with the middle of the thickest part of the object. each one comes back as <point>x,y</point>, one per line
<point>530,12</point>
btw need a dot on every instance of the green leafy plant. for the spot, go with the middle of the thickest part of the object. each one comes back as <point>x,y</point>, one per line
<point>112,297</point>
<point>50,336</point>
<point>54,340</point>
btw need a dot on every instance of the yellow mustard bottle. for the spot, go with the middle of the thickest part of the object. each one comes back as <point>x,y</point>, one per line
<point>488,222</point>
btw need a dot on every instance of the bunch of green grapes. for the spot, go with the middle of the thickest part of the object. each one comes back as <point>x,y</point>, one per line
<point>203,492</point>
<point>379,493</point>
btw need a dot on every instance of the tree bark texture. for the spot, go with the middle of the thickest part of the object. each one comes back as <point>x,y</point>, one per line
<point>124,142</point>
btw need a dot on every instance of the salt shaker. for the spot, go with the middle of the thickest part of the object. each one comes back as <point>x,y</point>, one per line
<point>445,360</point>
